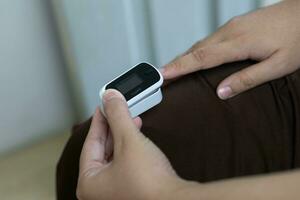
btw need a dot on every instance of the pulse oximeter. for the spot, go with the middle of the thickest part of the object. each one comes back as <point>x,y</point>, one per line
<point>140,85</point>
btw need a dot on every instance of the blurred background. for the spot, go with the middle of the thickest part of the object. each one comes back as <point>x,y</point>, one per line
<point>54,57</point>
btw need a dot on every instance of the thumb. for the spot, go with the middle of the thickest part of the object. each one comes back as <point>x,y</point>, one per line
<point>252,76</point>
<point>122,126</point>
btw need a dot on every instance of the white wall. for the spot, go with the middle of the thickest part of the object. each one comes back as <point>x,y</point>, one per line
<point>34,99</point>
<point>102,38</point>
<point>95,40</point>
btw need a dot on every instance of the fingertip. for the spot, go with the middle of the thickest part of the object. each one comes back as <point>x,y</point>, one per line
<point>111,94</point>
<point>138,122</point>
<point>173,69</point>
<point>97,111</point>
<point>224,92</point>
<point>97,117</point>
<point>117,114</point>
<point>114,103</point>
<point>165,72</point>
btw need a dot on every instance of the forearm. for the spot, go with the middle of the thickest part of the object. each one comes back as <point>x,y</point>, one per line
<point>278,186</point>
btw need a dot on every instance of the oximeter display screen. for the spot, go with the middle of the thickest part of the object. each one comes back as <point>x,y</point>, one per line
<point>135,81</point>
<point>129,83</point>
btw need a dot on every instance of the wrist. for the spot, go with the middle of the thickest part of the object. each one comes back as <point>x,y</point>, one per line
<point>181,189</point>
<point>166,190</point>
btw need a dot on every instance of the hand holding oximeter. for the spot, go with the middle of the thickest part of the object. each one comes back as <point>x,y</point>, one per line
<point>140,86</point>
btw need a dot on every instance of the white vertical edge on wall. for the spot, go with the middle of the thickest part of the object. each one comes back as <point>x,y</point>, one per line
<point>177,24</point>
<point>35,101</point>
<point>204,20</point>
<point>67,48</point>
<point>97,43</point>
<point>138,31</point>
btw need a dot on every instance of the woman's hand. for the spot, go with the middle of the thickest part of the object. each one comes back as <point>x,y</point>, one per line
<point>118,162</point>
<point>270,35</point>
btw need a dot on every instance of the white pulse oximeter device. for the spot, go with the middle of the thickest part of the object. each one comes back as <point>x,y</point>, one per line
<point>140,86</point>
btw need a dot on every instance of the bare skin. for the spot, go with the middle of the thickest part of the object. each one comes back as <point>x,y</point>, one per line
<point>270,35</point>
<point>139,170</point>
<point>118,162</point>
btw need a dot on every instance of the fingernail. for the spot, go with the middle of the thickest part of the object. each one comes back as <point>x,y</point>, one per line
<point>225,92</point>
<point>111,94</point>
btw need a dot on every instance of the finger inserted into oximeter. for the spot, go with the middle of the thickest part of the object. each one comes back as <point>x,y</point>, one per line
<point>140,86</point>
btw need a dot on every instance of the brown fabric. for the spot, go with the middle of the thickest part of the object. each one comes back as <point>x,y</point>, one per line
<point>209,139</point>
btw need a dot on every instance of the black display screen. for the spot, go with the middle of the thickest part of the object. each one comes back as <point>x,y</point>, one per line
<point>135,80</point>
<point>129,83</point>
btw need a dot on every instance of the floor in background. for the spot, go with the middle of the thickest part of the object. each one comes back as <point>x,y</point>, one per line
<point>29,174</point>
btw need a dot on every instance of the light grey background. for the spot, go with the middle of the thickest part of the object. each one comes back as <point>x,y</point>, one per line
<point>34,99</point>
<point>100,39</point>
<point>103,38</point>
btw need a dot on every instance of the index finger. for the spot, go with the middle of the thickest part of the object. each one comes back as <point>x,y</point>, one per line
<point>93,151</point>
<point>204,58</point>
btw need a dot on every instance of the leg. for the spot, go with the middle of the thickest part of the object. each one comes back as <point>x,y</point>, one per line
<point>209,139</point>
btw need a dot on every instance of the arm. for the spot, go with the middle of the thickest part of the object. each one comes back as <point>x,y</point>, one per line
<point>132,167</point>
<point>278,186</point>
<point>255,132</point>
